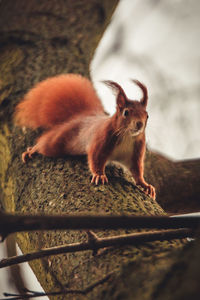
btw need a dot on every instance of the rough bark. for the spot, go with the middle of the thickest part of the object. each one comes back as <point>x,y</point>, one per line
<point>44,38</point>
<point>177,183</point>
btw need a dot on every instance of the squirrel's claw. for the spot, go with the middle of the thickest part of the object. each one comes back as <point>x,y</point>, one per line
<point>148,189</point>
<point>151,191</point>
<point>28,153</point>
<point>99,179</point>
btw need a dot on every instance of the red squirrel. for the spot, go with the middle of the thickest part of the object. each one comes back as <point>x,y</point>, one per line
<point>75,123</point>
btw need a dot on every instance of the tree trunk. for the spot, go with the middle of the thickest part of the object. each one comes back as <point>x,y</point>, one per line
<point>40,39</point>
<point>177,183</point>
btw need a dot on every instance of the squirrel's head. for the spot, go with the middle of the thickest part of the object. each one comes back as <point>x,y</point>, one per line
<point>131,115</point>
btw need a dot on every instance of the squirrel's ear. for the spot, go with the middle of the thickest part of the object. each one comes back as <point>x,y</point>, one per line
<point>144,99</point>
<point>121,96</point>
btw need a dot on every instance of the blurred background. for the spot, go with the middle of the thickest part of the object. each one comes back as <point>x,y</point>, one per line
<point>157,42</point>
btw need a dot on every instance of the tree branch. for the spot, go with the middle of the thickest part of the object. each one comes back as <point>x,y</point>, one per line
<point>177,183</point>
<point>16,223</point>
<point>94,243</point>
<point>33,294</point>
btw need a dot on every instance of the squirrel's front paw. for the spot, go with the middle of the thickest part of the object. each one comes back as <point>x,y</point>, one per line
<point>99,179</point>
<point>148,189</point>
<point>27,154</point>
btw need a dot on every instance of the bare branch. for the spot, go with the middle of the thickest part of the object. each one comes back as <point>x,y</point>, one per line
<point>33,294</point>
<point>94,243</point>
<point>15,223</point>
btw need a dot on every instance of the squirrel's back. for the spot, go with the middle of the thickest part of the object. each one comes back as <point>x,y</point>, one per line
<point>56,100</point>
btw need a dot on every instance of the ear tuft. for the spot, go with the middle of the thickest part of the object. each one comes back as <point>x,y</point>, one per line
<point>144,99</point>
<point>121,96</point>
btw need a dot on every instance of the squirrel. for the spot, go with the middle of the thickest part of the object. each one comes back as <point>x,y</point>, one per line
<point>74,121</point>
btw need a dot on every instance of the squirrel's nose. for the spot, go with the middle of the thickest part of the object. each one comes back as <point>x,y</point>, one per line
<point>139,125</point>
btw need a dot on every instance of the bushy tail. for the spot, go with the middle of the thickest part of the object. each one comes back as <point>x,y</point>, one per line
<point>56,100</point>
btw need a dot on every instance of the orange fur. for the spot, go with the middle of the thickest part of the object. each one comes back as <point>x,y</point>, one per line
<point>69,109</point>
<point>56,100</point>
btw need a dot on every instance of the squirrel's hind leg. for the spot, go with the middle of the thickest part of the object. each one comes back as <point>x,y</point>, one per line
<point>28,153</point>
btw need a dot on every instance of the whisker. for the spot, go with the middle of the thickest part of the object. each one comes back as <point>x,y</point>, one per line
<point>119,131</point>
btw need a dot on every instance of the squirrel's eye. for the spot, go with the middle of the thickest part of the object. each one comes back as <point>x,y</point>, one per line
<point>125,112</point>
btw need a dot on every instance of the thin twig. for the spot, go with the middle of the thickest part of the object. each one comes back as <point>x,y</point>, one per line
<point>33,294</point>
<point>15,223</point>
<point>94,243</point>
